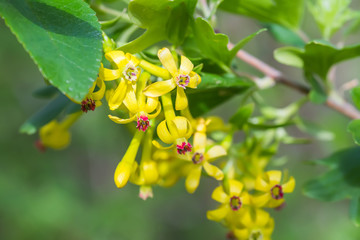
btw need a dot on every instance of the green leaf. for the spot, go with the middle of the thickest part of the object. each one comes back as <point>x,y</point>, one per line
<point>317,57</point>
<point>57,35</point>
<point>355,210</point>
<point>241,117</point>
<point>283,12</point>
<point>215,90</point>
<point>331,15</point>
<point>285,35</point>
<point>214,45</point>
<point>157,17</point>
<point>355,95</point>
<point>341,181</point>
<point>354,129</point>
<point>46,92</point>
<point>45,115</point>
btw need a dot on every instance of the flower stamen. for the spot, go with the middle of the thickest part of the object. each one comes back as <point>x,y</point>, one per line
<point>183,148</point>
<point>87,105</point>
<point>182,80</point>
<point>277,192</point>
<point>131,72</point>
<point>235,203</point>
<point>143,123</point>
<point>197,158</point>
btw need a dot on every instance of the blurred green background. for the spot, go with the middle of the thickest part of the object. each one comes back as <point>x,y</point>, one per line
<point>70,194</point>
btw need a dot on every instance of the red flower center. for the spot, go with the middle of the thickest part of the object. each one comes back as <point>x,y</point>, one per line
<point>143,123</point>
<point>235,203</point>
<point>183,148</point>
<point>87,105</point>
<point>182,80</point>
<point>197,158</point>
<point>277,192</point>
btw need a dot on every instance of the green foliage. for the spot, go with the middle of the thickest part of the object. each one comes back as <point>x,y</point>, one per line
<point>285,35</point>
<point>215,89</point>
<point>341,181</point>
<point>160,18</point>
<point>215,45</point>
<point>283,12</point>
<point>354,129</point>
<point>355,94</point>
<point>331,15</point>
<point>317,57</point>
<point>241,117</point>
<point>57,35</point>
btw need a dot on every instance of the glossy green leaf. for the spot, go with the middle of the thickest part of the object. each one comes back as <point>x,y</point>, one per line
<point>157,17</point>
<point>283,12</point>
<point>355,210</point>
<point>354,129</point>
<point>331,15</point>
<point>45,115</point>
<point>342,180</point>
<point>215,45</point>
<point>240,118</point>
<point>355,95</point>
<point>317,57</point>
<point>57,35</point>
<point>285,35</point>
<point>215,90</point>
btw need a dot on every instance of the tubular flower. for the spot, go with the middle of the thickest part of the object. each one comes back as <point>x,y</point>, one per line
<point>175,132</point>
<point>231,203</point>
<point>127,71</point>
<point>181,78</point>
<point>93,99</point>
<point>127,165</point>
<point>272,190</point>
<point>255,226</point>
<point>201,158</point>
<point>56,134</point>
<point>140,107</point>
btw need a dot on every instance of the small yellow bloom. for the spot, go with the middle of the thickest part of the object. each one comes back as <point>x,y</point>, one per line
<point>56,134</point>
<point>231,203</point>
<point>181,78</point>
<point>93,99</point>
<point>255,226</point>
<point>272,190</point>
<point>126,71</point>
<point>141,108</point>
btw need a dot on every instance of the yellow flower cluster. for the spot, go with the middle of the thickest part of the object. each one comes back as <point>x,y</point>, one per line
<point>138,91</point>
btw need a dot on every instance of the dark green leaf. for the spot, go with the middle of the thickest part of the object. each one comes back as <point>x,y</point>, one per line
<point>355,210</point>
<point>177,25</point>
<point>354,129</point>
<point>46,92</point>
<point>355,94</point>
<point>242,115</point>
<point>284,12</point>
<point>57,35</point>
<point>214,90</point>
<point>285,35</point>
<point>317,57</point>
<point>45,115</point>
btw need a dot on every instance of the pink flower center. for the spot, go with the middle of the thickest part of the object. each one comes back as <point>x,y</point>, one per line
<point>183,148</point>
<point>235,203</point>
<point>143,123</point>
<point>197,158</point>
<point>87,105</point>
<point>182,80</point>
<point>130,73</point>
<point>277,192</point>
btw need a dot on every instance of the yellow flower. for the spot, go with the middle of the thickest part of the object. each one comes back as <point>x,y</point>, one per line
<point>56,135</point>
<point>175,132</point>
<point>201,159</point>
<point>127,165</point>
<point>231,203</point>
<point>93,99</point>
<point>255,226</point>
<point>140,107</point>
<point>272,190</point>
<point>181,78</point>
<point>126,70</point>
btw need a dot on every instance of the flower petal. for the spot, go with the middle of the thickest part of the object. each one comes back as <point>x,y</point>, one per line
<point>122,121</point>
<point>289,186</point>
<point>186,66</point>
<point>159,146</point>
<point>242,233</point>
<point>164,134</point>
<point>109,74</point>
<point>261,184</point>
<point>217,214</point>
<point>199,142</point>
<point>262,218</point>
<point>193,179</point>
<point>261,200</point>
<point>213,171</point>
<point>274,177</point>
<point>181,125</point>
<point>219,195</point>
<point>215,152</point>
<point>155,114</point>
<point>273,203</point>
<point>195,80</point>
<point>167,60</point>
<point>181,101</point>
<point>118,97</point>
<point>99,94</point>
<point>151,104</point>
<point>116,57</point>
<point>235,187</point>
<point>130,101</point>
<point>159,88</point>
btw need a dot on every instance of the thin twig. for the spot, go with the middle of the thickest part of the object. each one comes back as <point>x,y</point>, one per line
<point>337,104</point>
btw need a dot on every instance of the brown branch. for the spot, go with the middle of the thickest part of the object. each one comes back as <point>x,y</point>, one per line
<point>337,104</point>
